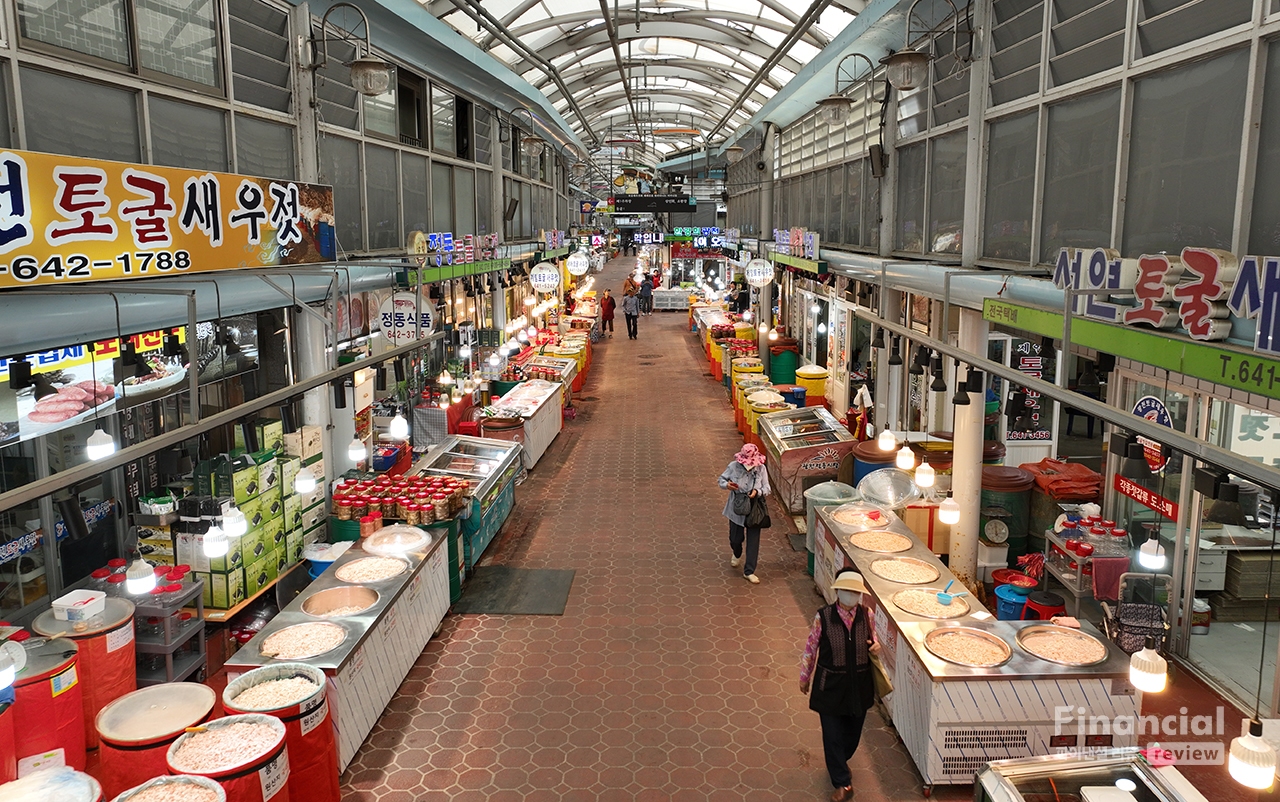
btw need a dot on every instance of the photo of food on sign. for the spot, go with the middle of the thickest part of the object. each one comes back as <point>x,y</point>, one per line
<point>64,398</point>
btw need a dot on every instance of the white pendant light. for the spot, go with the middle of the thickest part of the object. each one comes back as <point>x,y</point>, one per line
<point>99,445</point>
<point>746,316</point>
<point>444,402</point>
<point>234,523</point>
<point>886,441</point>
<point>8,669</point>
<point>926,476</point>
<point>304,481</point>
<point>444,377</point>
<point>764,328</point>
<point>1252,761</point>
<point>1148,671</point>
<point>398,428</point>
<point>532,331</point>
<point>822,328</point>
<point>522,336</point>
<point>773,333</point>
<point>906,459</point>
<point>141,577</point>
<point>464,352</point>
<point>1151,553</point>
<point>215,542</point>
<point>494,359</point>
<point>356,451</point>
<point>949,511</point>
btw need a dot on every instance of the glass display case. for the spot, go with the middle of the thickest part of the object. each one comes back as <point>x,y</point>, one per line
<point>562,367</point>
<point>805,447</point>
<point>539,403</point>
<point>1120,775</point>
<point>491,465</point>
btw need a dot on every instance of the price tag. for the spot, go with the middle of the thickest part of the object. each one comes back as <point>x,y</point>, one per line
<point>120,638</point>
<point>316,716</point>
<point>274,775</point>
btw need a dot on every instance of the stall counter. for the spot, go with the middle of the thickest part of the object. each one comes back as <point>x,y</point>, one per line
<point>539,403</point>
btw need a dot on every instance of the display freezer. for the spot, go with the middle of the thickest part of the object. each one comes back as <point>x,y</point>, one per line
<point>805,448</point>
<point>1114,775</point>
<point>564,367</point>
<point>539,403</point>
<point>382,642</point>
<point>952,718</point>
<point>491,466</point>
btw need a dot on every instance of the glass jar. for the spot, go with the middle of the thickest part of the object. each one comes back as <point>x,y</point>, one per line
<point>342,508</point>
<point>359,507</point>
<point>429,513</point>
<point>115,585</point>
<point>366,526</point>
<point>148,663</point>
<point>117,566</point>
<point>441,501</point>
<point>412,514</point>
<point>98,579</point>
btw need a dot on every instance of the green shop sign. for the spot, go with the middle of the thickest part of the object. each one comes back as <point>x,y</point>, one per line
<point>427,275</point>
<point>1238,368</point>
<point>808,265</point>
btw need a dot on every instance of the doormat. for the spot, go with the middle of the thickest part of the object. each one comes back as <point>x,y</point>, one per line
<point>797,542</point>
<point>503,590</point>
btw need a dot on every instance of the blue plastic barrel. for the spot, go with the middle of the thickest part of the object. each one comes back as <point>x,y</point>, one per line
<point>1009,603</point>
<point>868,457</point>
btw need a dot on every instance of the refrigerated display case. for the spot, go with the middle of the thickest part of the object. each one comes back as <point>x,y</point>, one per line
<point>491,466</point>
<point>805,448</point>
<point>539,403</point>
<point>563,367</point>
<point>1117,775</point>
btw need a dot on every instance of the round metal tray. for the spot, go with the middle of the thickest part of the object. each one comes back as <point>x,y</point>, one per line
<point>322,604</point>
<point>1042,629</point>
<point>960,606</point>
<point>972,632</point>
<point>309,655</point>
<point>346,566</point>
<point>852,517</point>
<point>906,542</point>
<point>910,561</point>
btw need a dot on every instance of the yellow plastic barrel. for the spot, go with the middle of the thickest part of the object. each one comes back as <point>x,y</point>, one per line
<point>813,378</point>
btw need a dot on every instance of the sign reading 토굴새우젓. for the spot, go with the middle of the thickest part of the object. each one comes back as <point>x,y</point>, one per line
<point>64,220</point>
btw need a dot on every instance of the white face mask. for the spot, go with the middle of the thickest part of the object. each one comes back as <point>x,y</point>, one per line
<point>849,598</point>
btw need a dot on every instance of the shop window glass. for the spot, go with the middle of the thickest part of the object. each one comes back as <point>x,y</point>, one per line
<point>946,192</point>
<point>23,580</point>
<point>870,207</point>
<point>338,103</point>
<point>911,166</point>
<point>183,135</point>
<point>97,29</point>
<point>443,121</point>
<point>464,201</point>
<point>264,148</point>
<point>484,135</point>
<point>526,210</point>
<point>380,116</point>
<point>484,202</point>
<point>382,198</point>
<point>835,204</point>
<point>413,171</point>
<point>179,39</point>
<point>818,212</point>
<point>110,113</point>
<point>441,197</point>
<point>853,229</point>
<point>260,54</point>
<point>340,168</point>
<point>1080,173</point>
<point>1011,178</point>
<point>1264,231</point>
<point>1184,156</point>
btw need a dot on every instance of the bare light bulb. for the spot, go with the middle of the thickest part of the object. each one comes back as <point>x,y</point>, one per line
<point>398,428</point>
<point>99,445</point>
<point>215,545</point>
<point>234,523</point>
<point>926,476</point>
<point>494,359</point>
<point>304,481</point>
<point>773,334</point>
<point>949,511</point>
<point>141,577</point>
<point>1148,671</point>
<point>356,451</point>
<point>906,459</point>
<point>886,441</point>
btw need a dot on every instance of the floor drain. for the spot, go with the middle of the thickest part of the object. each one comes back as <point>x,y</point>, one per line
<point>646,363</point>
<point>651,356</point>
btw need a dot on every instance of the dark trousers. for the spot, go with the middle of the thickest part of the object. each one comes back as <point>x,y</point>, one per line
<point>606,324</point>
<point>646,304</point>
<point>633,327</point>
<point>752,536</point>
<point>840,736</point>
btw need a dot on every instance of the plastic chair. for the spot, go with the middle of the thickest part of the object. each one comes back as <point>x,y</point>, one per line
<point>1043,605</point>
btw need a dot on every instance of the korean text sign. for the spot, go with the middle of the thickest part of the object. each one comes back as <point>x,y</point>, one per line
<point>66,220</point>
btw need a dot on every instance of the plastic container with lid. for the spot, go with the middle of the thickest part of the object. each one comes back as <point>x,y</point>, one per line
<point>117,566</point>
<point>115,586</point>
<point>136,730</point>
<point>48,705</point>
<point>397,540</point>
<point>98,579</point>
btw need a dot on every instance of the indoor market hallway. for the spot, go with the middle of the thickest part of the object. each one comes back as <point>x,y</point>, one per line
<point>668,677</point>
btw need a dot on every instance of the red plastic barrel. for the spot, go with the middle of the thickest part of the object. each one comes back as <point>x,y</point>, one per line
<point>260,778</point>
<point>313,745</point>
<point>108,666</point>
<point>8,746</point>
<point>48,709</point>
<point>136,730</point>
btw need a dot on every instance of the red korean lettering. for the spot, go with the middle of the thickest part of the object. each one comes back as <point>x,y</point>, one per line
<point>148,217</point>
<point>1150,290</point>
<point>81,199</point>
<point>1201,315</point>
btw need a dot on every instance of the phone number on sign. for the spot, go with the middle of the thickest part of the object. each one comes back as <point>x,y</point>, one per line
<point>79,266</point>
<point>1259,374</point>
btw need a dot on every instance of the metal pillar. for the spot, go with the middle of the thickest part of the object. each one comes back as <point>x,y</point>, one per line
<point>966,469</point>
<point>764,306</point>
<point>889,391</point>
<point>311,338</point>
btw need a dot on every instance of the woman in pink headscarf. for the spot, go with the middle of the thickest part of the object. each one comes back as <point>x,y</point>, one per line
<point>745,476</point>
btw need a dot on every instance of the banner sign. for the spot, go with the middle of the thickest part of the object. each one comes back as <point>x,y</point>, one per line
<point>759,272</point>
<point>65,220</point>
<point>1153,409</point>
<point>1032,359</point>
<point>796,242</point>
<point>399,317</point>
<point>654,203</point>
<point>688,250</point>
<point>1147,498</point>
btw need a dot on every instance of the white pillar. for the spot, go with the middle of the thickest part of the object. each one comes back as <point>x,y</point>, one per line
<point>966,468</point>
<point>317,410</point>
<point>764,309</point>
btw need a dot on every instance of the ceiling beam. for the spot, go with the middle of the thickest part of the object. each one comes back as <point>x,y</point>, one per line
<point>689,32</point>
<point>569,23</point>
<point>612,30</point>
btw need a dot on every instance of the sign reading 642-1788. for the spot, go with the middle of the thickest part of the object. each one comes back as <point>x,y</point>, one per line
<point>65,220</point>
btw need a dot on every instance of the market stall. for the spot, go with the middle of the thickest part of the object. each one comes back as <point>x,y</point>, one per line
<point>1116,775</point>
<point>491,467</point>
<point>364,622</point>
<point>538,402</point>
<point>969,689</point>
<point>805,448</point>
<point>555,368</point>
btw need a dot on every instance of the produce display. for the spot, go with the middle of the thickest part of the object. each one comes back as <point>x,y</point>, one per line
<point>370,569</point>
<point>924,602</point>
<point>224,747</point>
<point>1062,645</point>
<point>301,641</point>
<point>904,570</point>
<point>275,694</point>
<point>968,647</point>
<point>883,542</point>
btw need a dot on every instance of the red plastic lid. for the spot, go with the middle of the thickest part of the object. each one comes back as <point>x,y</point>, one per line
<point>1097,530</point>
<point>1119,532</point>
<point>116,563</point>
<point>184,617</point>
<point>1109,524</point>
<point>151,619</point>
<point>101,573</point>
<point>115,579</point>
<point>161,570</point>
<point>157,590</point>
<point>20,636</point>
<point>1069,524</point>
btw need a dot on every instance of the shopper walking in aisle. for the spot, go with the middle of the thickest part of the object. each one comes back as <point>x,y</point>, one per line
<point>631,309</point>
<point>646,296</point>
<point>836,664</point>
<point>748,482</point>
<point>607,305</point>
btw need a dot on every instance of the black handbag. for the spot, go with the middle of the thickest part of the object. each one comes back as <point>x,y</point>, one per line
<point>741,503</point>
<point>758,516</point>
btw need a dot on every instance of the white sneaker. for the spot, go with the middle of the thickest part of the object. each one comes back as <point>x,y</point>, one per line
<point>735,562</point>
<point>752,578</point>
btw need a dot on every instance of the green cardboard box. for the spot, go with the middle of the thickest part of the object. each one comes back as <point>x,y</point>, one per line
<point>260,573</point>
<point>268,471</point>
<point>316,516</point>
<point>237,479</point>
<point>223,591</point>
<point>252,509</point>
<point>281,556</point>
<point>189,550</point>
<point>288,468</point>
<point>253,545</point>
<point>272,503</point>
<point>293,546</point>
<point>273,532</point>
<point>204,476</point>
<point>293,513</point>
<point>270,435</point>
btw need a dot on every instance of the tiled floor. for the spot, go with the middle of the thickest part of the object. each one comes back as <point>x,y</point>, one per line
<point>668,677</point>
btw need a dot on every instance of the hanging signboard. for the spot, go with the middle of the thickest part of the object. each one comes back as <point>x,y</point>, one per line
<point>1146,497</point>
<point>544,277</point>
<point>68,220</point>
<point>1031,359</point>
<point>759,272</point>
<point>1153,409</point>
<point>399,316</point>
<point>578,263</point>
<point>654,203</point>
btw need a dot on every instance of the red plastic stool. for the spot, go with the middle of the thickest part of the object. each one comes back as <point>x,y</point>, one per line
<point>1043,605</point>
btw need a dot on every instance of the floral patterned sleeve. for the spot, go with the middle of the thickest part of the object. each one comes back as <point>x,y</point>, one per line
<point>810,650</point>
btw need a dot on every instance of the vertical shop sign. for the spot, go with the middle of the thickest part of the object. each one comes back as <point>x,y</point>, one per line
<point>1033,360</point>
